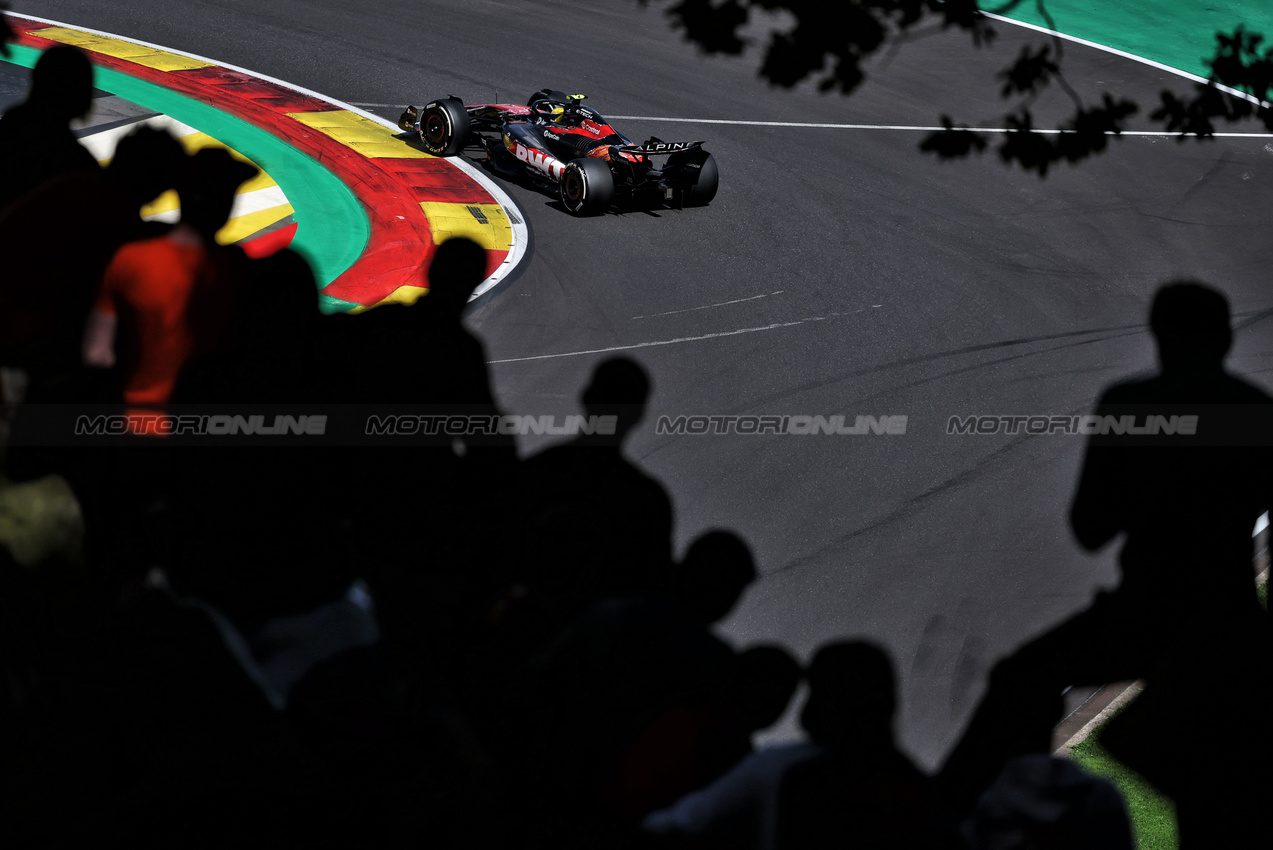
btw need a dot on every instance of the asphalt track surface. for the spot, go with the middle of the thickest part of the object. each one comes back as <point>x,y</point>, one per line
<point>837,272</point>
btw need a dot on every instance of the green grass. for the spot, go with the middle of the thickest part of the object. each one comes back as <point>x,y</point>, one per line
<point>1153,815</point>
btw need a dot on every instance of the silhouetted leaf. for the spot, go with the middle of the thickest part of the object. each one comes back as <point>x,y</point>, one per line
<point>714,28</point>
<point>1032,150</point>
<point>1030,73</point>
<point>952,142</point>
<point>831,39</point>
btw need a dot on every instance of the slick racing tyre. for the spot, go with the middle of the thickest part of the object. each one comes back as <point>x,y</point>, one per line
<point>587,186</point>
<point>444,127</point>
<point>700,168</point>
<point>705,189</point>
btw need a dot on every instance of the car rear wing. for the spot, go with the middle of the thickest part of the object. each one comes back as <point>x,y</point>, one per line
<point>657,146</point>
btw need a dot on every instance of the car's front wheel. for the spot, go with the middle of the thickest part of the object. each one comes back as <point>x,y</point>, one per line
<point>587,186</point>
<point>444,127</point>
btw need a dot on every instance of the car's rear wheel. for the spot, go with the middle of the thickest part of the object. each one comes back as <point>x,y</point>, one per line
<point>698,167</point>
<point>587,186</point>
<point>444,127</point>
<point>704,189</point>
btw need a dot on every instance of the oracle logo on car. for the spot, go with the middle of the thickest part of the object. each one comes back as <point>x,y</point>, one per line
<point>539,160</point>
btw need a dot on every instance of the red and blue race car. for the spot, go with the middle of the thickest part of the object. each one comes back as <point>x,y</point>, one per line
<point>561,145</point>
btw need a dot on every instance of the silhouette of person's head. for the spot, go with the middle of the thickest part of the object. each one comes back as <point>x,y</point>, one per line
<point>282,312</point>
<point>146,163</point>
<point>620,388</point>
<point>62,83</point>
<point>715,572</point>
<point>6,32</point>
<point>458,267</point>
<point>207,186</point>
<point>763,684</point>
<point>1190,323</point>
<point>852,696</point>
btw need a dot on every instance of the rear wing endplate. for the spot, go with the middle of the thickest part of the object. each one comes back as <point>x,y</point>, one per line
<point>657,146</point>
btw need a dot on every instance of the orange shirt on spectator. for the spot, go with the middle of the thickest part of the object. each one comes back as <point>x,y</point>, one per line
<point>174,300</point>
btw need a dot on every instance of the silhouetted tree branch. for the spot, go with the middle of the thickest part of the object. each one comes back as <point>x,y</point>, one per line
<point>830,40</point>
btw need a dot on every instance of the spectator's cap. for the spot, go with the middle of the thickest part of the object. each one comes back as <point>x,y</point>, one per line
<point>214,170</point>
<point>147,162</point>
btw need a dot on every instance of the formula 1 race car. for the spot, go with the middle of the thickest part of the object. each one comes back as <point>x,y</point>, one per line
<point>568,148</point>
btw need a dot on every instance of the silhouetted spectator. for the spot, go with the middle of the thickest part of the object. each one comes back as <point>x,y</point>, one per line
<point>427,548</point>
<point>1044,801</point>
<point>6,32</point>
<point>739,809</point>
<point>707,583</point>
<point>862,791</point>
<point>56,242</point>
<point>632,703</point>
<point>593,524</point>
<point>703,588</point>
<point>444,365</point>
<point>266,355</point>
<point>36,141</point>
<point>250,540</point>
<point>1186,606</point>
<point>420,356</point>
<point>164,302</point>
<point>168,300</point>
<point>48,287</point>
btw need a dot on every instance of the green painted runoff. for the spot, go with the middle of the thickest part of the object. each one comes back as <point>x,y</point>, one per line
<point>1178,33</point>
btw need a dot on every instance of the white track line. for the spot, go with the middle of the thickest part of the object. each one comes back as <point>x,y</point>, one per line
<point>520,234</point>
<point>1115,51</point>
<point>914,127</point>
